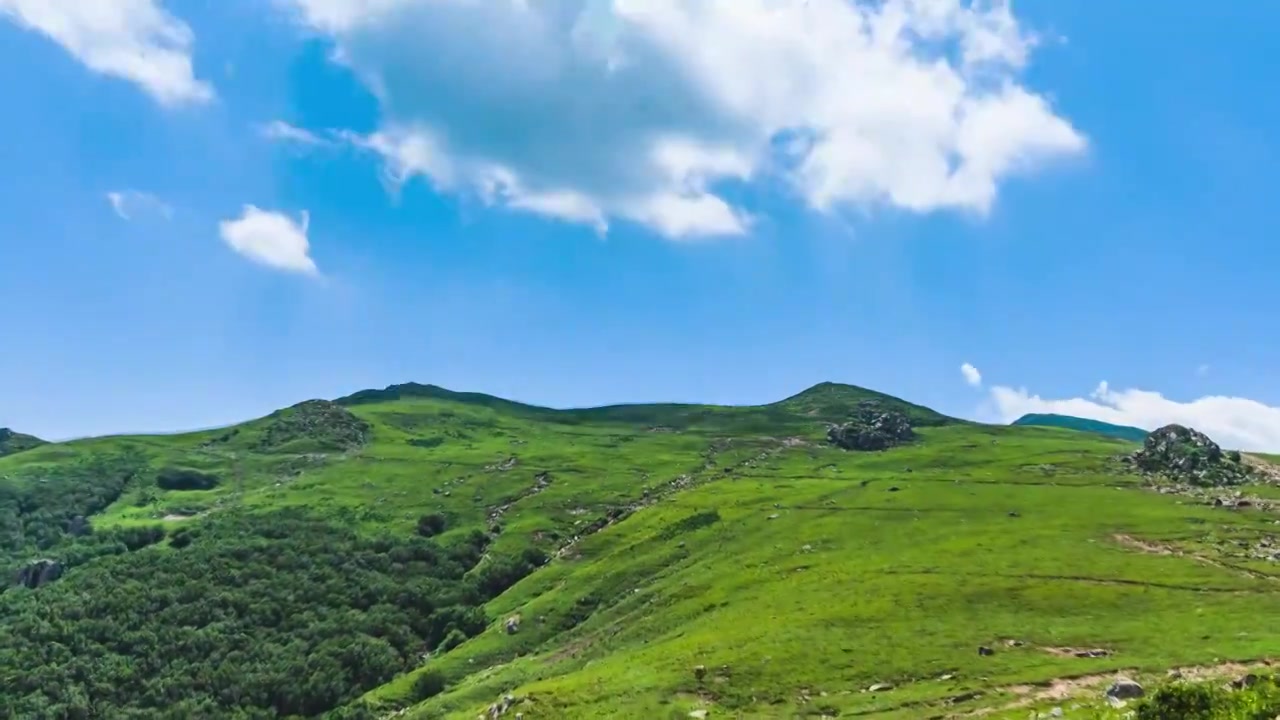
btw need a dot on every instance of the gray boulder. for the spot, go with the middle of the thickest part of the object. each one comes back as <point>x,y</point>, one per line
<point>1125,689</point>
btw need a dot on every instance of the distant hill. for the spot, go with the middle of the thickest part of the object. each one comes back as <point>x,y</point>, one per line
<point>13,442</point>
<point>1123,432</point>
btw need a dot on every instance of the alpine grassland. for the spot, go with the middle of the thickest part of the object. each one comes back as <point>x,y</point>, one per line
<point>415,552</point>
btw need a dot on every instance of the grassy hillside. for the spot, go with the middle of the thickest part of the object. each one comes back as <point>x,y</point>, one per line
<point>436,552</point>
<point>1123,432</point>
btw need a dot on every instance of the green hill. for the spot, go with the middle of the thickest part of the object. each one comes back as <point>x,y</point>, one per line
<point>14,442</point>
<point>1123,432</point>
<point>439,553</point>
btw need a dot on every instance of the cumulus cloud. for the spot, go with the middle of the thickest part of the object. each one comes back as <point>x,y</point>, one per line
<point>1233,422</point>
<point>651,110</point>
<point>971,375</point>
<point>271,239</point>
<point>132,204</point>
<point>135,40</point>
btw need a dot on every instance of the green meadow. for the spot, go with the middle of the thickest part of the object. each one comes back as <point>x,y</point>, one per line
<point>661,561</point>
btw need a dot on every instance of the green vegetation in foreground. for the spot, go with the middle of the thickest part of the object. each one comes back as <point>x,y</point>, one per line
<point>1257,698</point>
<point>436,551</point>
<point>1123,432</point>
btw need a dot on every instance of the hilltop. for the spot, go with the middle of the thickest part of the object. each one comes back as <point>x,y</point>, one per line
<point>1123,432</point>
<point>453,554</point>
<point>14,442</point>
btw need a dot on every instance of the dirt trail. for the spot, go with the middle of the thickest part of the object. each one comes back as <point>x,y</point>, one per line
<point>709,472</point>
<point>1158,549</point>
<point>1072,688</point>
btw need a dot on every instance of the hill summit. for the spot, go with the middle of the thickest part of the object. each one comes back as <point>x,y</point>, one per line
<point>14,442</point>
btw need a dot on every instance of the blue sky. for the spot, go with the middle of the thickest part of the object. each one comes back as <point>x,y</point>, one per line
<point>212,210</point>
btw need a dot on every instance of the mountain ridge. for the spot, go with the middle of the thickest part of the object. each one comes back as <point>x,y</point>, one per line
<point>1071,422</point>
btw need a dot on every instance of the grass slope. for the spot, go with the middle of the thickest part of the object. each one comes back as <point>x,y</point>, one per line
<point>733,538</point>
<point>1123,432</point>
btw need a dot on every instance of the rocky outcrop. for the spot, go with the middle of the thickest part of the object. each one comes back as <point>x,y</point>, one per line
<point>314,425</point>
<point>872,427</point>
<point>1188,455</point>
<point>37,573</point>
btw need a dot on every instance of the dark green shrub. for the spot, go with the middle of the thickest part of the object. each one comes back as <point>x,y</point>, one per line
<point>428,685</point>
<point>455,638</point>
<point>174,478</point>
<point>1182,701</point>
<point>432,524</point>
<point>136,538</point>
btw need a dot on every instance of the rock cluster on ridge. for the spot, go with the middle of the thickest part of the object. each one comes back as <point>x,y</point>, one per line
<point>871,427</point>
<point>1188,455</point>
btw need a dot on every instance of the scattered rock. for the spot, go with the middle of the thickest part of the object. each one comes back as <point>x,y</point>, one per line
<point>1124,689</point>
<point>698,714</point>
<point>505,465</point>
<point>1094,653</point>
<point>1014,514</point>
<point>1245,681</point>
<point>871,427</point>
<point>699,672</point>
<point>985,651</point>
<point>893,488</point>
<point>513,624</point>
<point>965,697</point>
<point>37,573</point>
<point>880,687</point>
<point>774,516</point>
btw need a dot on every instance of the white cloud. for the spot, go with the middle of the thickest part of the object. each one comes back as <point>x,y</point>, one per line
<point>648,110</point>
<point>282,131</point>
<point>271,239</point>
<point>1233,422</point>
<point>135,40</point>
<point>971,375</point>
<point>131,204</point>
<point>1202,370</point>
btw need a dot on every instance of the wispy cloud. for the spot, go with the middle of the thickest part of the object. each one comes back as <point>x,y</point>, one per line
<point>132,204</point>
<point>971,375</point>
<point>282,131</point>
